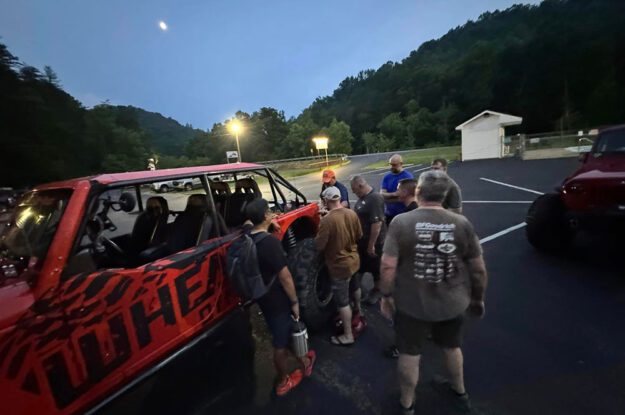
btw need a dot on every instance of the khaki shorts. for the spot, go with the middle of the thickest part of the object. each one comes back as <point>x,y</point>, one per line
<point>412,333</point>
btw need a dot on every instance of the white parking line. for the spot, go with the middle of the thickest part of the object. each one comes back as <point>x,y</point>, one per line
<point>512,186</point>
<point>418,170</point>
<point>498,201</point>
<point>501,233</point>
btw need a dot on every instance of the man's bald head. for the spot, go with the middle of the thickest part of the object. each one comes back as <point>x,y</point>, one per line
<point>396,163</point>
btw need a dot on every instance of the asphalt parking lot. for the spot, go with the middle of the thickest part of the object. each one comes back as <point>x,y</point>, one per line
<point>551,341</point>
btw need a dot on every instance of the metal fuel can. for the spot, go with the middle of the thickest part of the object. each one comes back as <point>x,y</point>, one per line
<point>299,338</point>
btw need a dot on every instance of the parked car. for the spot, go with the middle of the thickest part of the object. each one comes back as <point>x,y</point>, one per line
<point>163,187</point>
<point>102,285</point>
<point>187,184</point>
<point>593,197</point>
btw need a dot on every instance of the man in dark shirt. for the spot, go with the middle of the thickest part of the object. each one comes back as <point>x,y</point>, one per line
<point>453,198</point>
<point>370,210</point>
<point>407,195</point>
<point>329,179</point>
<point>406,192</point>
<point>280,302</point>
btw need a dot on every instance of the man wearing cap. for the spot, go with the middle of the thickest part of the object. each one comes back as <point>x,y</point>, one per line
<point>329,179</point>
<point>339,232</point>
<point>453,198</point>
<point>388,189</point>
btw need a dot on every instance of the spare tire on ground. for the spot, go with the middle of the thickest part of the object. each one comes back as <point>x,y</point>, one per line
<point>547,228</point>
<point>312,284</point>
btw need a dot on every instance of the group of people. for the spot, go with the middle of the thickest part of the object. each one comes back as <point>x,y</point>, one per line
<point>423,254</point>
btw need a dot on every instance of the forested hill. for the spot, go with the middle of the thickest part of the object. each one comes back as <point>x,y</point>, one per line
<point>559,65</point>
<point>167,136</point>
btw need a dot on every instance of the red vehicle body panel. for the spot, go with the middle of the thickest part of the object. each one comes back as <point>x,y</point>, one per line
<point>69,342</point>
<point>598,186</point>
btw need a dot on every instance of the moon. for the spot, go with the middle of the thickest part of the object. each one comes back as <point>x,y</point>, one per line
<point>162,25</point>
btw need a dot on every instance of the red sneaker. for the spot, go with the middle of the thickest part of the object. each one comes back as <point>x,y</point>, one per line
<point>290,382</point>
<point>358,325</point>
<point>312,356</point>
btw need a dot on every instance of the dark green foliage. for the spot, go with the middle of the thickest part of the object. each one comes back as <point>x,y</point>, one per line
<point>559,65</point>
<point>167,136</point>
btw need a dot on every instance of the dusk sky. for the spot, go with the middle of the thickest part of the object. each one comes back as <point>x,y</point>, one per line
<point>219,56</point>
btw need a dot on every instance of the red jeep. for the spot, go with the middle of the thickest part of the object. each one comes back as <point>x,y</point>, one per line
<point>592,197</point>
<point>102,280</point>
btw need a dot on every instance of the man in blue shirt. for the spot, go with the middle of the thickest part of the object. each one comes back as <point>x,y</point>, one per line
<point>329,179</point>
<point>388,189</point>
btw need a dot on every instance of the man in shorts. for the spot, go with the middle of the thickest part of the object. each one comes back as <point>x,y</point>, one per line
<point>338,234</point>
<point>279,305</point>
<point>453,199</point>
<point>407,195</point>
<point>370,210</point>
<point>433,272</point>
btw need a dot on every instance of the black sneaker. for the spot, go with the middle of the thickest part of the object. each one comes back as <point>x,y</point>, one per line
<point>391,352</point>
<point>460,401</point>
<point>405,411</point>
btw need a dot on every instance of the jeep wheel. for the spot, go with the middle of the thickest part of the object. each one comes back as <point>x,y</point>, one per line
<point>188,187</point>
<point>312,284</point>
<point>547,228</point>
<point>163,189</point>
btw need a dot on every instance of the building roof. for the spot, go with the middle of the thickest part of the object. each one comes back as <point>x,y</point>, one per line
<point>504,119</point>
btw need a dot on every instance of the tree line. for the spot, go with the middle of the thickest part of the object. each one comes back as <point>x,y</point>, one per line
<point>560,65</point>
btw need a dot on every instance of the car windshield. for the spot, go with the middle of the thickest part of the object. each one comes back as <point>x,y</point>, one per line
<point>36,219</point>
<point>611,142</point>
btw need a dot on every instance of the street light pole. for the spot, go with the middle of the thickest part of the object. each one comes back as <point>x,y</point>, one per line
<point>236,134</point>
<point>235,126</point>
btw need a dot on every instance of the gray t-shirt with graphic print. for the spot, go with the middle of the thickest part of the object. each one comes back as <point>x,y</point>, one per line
<point>433,247</point>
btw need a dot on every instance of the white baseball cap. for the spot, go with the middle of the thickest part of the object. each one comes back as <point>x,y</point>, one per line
<point>331,193</point>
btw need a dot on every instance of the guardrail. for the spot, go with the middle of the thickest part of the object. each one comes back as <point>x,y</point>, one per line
<point>548,145</point>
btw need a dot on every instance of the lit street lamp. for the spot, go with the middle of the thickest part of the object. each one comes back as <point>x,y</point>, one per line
<point>235,126</point>
<point>322,144</point>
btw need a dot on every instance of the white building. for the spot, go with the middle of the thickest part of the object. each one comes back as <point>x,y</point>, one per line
<point>483,135</point>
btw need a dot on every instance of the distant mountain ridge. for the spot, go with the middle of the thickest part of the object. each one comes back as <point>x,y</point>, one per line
<point>166,135</point>
<point>559,65</point>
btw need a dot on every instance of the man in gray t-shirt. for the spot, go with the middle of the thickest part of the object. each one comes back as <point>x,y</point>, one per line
<point>432,272</point>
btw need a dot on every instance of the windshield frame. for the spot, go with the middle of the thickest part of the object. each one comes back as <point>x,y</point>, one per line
<point>609,135</point>
<point>26,242</point>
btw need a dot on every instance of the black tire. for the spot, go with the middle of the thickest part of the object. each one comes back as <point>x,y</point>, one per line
<point>188,187</point>
<point>312,284</point>
<point>547,228</point>
<point>164,188</point>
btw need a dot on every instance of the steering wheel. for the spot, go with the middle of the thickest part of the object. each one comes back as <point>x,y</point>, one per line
<point>111,246</point>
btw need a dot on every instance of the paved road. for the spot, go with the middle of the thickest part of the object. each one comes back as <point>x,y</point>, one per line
<point>310,184</point>
<point>551,343</point>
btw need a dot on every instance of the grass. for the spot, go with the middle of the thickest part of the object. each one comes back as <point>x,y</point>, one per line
<point>290,173</point>
<point>423,156</point>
